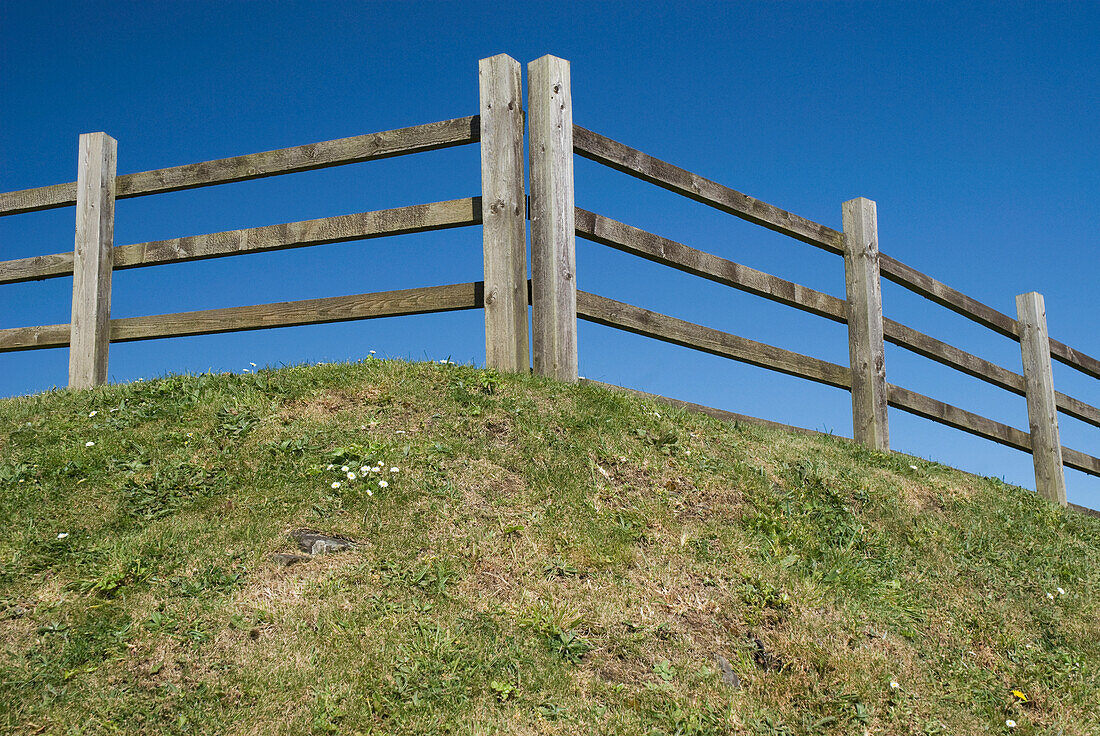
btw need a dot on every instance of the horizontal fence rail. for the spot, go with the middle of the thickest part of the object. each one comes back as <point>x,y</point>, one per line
<point>424,300</point>
<point>604,311</point>
<point>602,149</point>
<point>342,228</point>
<point>357,149</point>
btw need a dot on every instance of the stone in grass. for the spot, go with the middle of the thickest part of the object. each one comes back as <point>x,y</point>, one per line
<point>729,677</point>
<point>319,544</point>
<point>282,559</point>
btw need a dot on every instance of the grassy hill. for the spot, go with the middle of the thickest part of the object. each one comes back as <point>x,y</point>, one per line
<point>541,559</point>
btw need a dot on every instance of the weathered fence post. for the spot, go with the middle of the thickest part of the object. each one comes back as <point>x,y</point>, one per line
<point>503,214</point>
<point>1042,411</point>
<point>553,240</point>
<point>867,355</point>
<point>90,328</point>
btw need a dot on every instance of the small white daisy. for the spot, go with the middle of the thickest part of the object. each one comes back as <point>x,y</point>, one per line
<point>92,413</point>
<point>383,484</point>
<point>395,470</point>
<point>335,484</point>
<point>1061,592</point>
<point>370,492</point>
<point>913,467</point>
<point>364,469</point>
<point>344,469</point>
<point>351,476</point>
<point>1050,596</point>
<point>894,685</point>
<point>89,443</point>
<point>1010,723</point>
<point>62,535</point>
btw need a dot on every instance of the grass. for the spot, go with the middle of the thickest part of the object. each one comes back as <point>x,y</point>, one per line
<point>546,559</point>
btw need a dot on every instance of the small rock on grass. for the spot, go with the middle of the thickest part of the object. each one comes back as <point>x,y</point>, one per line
<point>281,559</point>
<point>319,544</point>
<point>729,677</point>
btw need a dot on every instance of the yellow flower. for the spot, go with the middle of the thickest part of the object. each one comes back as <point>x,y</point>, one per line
<point>1020,695</point>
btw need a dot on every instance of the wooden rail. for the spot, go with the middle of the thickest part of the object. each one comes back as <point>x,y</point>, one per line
<point>602,149</point>
<point>425,300</point>
<point>629,239</point>
<point>641,321</point>
<point>356,149</point>
<point>359,226</point>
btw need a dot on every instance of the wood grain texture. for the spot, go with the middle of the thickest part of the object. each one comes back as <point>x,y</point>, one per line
<point>953,416</point>
<point>1080,461</point>
<point>722,414</point>
<point>15,339</point>
<point>358,226</point>
<point>1042,411</point>
<point>504,216</point>
<point>611,153</point>
<point>90,327</point>
<point>356,149</point>
<point>867,355</point>
<point>1066,355</point>
<point>641,321</point>
<point>553,238</point>
<point>306,312</point>
<point>36,268</point>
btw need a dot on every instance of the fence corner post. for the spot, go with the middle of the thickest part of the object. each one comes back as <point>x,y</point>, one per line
<point>503,213</point>
<point>553,236</point>
<point>867,355</point>
<point>1042,411</point>
<point>90,328</point>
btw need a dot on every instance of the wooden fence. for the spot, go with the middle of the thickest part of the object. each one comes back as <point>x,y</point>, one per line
<point>556,304</point>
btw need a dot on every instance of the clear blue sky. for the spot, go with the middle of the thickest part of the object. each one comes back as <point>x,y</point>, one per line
<point>973,126</point>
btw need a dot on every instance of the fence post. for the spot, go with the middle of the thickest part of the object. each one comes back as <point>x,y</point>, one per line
<point>503,214</point>
<point>90,328</point>
<point>1042,411</point>
<point>553,239</point>
<point>867,355</point>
